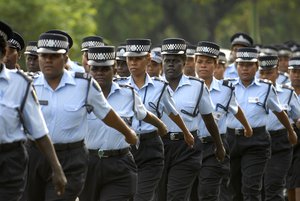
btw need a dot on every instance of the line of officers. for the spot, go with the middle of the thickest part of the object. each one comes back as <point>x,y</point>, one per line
<point>66,134</point>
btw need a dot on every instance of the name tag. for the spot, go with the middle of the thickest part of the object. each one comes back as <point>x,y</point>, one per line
<point>43,102</point>
<point>253,99</point>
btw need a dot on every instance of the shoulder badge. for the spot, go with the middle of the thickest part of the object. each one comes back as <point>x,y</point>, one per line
<point>126,86</point>
<point>26,77</point>
<point>116,79</point>
<point>227,83</point>
<point>83,75</point>
<point>287,87</point>
<point>284,74</point>
<point>159,79</point>
<point>265,81</point>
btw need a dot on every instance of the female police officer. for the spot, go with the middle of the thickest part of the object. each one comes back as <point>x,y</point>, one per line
<point>65,98</point>
<point>19,109</point>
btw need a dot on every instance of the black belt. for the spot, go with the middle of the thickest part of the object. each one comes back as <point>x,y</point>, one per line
<point>147,136</point>
<point>177,135</point>
<point>6,147</point>
<point>236,131</point>
<point>109,153</point>
<point>278,132</point>
<point>209,139</point>
<point>68,146</point>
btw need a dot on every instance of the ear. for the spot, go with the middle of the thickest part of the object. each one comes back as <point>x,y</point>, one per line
<point>66,57</point>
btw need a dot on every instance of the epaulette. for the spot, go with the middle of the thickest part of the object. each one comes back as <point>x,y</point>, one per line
<point>116,79</point>
<point>126,86</point>
<point>265,81</point>
<point>159,79</point>
<point>284,74</point>
<point>196,78</point>
<point>83,75</point>
<point>227,83</point>
<point>287,87</point>
<point>26,77</point>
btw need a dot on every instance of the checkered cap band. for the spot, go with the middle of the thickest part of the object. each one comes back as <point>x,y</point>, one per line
<point>15,43</point>
<point>208,50</point>
<point>121,52</point>
<point>222,57</point>
<point>3,34</point>
<point>173,47</point>
<point>30,48</point>
<point>190,51</point>
<point>268,63</point>
<point>294,62</point>
<point>52,43</point>
<point>103,56</point>
<point>246,55</point>
<point>137,48</point>
<point>88,44</point>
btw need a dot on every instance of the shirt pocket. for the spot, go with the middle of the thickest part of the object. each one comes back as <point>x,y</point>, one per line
<point>73,116</point>
<point>10,119</point>
<point>187,111</point>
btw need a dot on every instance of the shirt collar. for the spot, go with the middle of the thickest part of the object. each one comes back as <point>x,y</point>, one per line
<point>148,81</point>
<point>254,82</point>
<point>4,73</point>
<point>114,88</point>
<point>215,85</point>
<point>184,81</point>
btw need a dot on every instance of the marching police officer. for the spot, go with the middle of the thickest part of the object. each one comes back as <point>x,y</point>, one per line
<point>66,98</point>
<point>281,150</point>
<point>248,156</point>
<point>31,57</point>
<point>19,110</point>
<point>192,99</point>
<point>13,54</point>
<point>284,54</point>
<point>121,68</point>
<point>154,93</point>
<point>107,147</point>
<point>213,172</point>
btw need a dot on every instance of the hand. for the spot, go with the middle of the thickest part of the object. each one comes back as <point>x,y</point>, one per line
<point>131,138</point>
<point>220,153</point>
<point>59,181</point>
<point>189,139</point>
<point>292,137</point>
<point>248,132</point>
<point>162,130</point>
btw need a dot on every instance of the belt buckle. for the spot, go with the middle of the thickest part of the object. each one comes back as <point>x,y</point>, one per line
<point>238,131</point>
<point>173,136</point>
<point>203,140</point>
<point>101,154</point>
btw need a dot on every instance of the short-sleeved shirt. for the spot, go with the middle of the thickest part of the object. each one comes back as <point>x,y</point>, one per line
<point>252,100</point>
<point>13,87</point>
<point>64,108</point>
<point>126,103</point>
<point>150,93</point>
<point>224,101</point>
<point>283,78</point>
<point>186,96</point>
<point>289,102</point>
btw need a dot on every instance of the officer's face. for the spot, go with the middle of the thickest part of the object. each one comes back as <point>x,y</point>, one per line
<point>11,57</point>
<point>205,66</point>
<point>173,66</point>
<point>295,77</point>
<point>270,74</point>
<point>219,71</point>
<point>247,70</point>
<point>283,63</point>
<point>189,68</point>
<point>122,68</point>
<point>137,65</point>
<point>154,69</point>
<point>32,63</point>
<point>103,74</point>
<point>52,65</point>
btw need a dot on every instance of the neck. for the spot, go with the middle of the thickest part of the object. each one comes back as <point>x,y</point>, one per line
<point>106,89</point>
<point>173,83</point>
<point>54,82</point>
<point>247,82</point>
<point>208,82</point>
<point>139,80</point>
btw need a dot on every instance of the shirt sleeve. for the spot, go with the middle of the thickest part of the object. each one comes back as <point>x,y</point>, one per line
<point>139,109</point>
<point>233,105</point>
<point>168,102</point>
<point>273,101</point>
<point>97,100</point>
<point>294,112</point>
<point>33,118</point>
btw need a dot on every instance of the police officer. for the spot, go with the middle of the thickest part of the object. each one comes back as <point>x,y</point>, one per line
<point>293,179</point>
<point>13,53</point>
<point>155,96</point>
<point>154,69</point>
<point>221,66</point>
<point>192,99</point>
<point>66,98</point>
<point>107,147</point>
<point>89,41</point>
<point>281,151</point>
<point>238,40</point>
<point>19,109</point>
<point>122,68</point>
<point>189,67</point>
<point>284,54</point>
<point>248,156</point>
<point>31,57</point>
<point>213,172</point>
